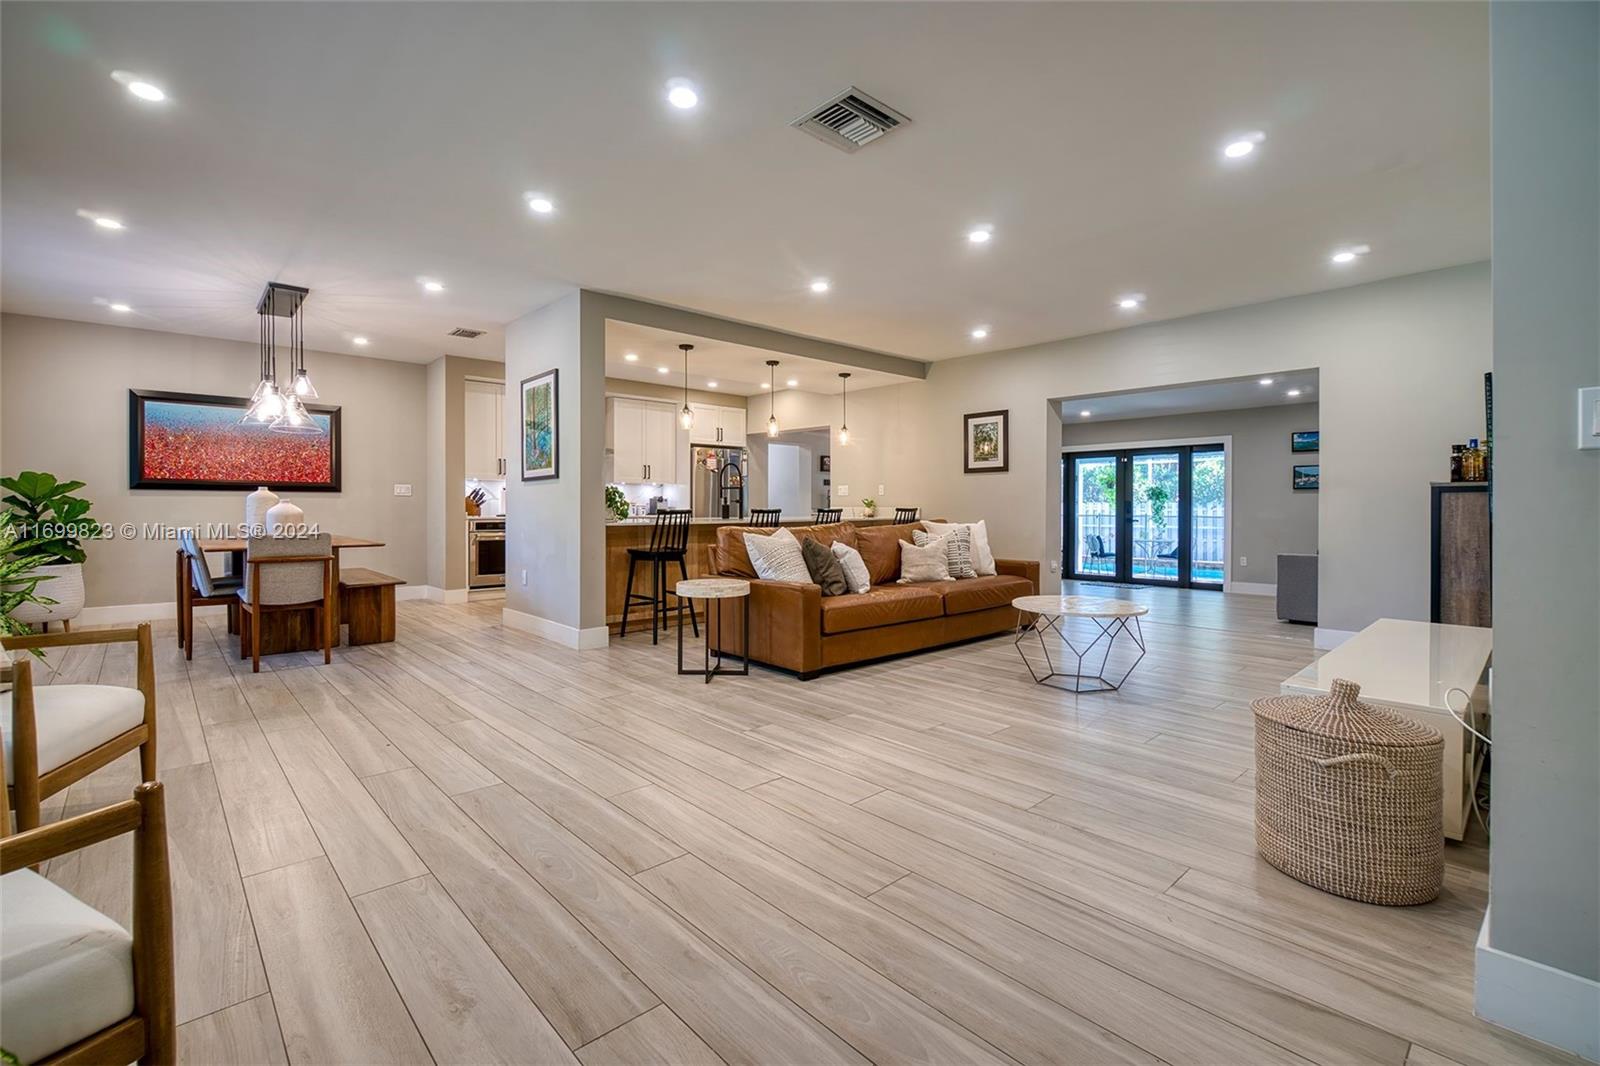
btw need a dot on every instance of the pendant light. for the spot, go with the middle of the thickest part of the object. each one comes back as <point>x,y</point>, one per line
<point>844,407</point>
<point>282,409</point>
<point>772,398</point>
<point>686,416</point>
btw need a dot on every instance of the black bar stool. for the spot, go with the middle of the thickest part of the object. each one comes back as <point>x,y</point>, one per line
<point>905,514</point>
<point>765,517</point>
<point>827,516</point>
<point>669,540</point>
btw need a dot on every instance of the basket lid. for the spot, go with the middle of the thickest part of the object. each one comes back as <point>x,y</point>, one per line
<point>1341,715</point>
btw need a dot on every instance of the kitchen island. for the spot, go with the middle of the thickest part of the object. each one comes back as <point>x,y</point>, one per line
<point>635,533</point>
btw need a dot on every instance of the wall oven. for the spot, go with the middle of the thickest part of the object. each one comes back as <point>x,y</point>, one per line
<point>486,553</point>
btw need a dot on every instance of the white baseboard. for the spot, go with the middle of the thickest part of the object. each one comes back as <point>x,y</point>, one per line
<point>1550,1005</point>
<point>1328,639</point>
<point>571,636</point>
<point>431,593</point>
<point>117,614</point>
<point>1252,588</point>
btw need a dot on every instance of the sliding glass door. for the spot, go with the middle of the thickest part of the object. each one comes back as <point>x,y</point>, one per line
<point>1146,515</point>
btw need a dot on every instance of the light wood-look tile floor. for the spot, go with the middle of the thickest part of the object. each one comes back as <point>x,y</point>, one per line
<point>474,846</point>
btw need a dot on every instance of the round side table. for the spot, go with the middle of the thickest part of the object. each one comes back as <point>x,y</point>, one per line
<point>1110,616</point>
<point>712,590</point>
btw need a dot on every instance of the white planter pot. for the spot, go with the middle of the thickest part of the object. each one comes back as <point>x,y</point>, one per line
<point>64,585</point>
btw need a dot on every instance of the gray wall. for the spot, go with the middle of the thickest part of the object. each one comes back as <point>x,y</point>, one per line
<point>1268,515</point>
<point>66,412</point>
<point>447,459</point>
<point>1545,868</point>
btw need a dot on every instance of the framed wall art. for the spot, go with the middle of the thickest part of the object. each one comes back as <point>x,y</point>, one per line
<point>1305,440</point>
<point>541,427</point>
<point>986,446</point>
<point>181,440</point>
<point>1308,478</point>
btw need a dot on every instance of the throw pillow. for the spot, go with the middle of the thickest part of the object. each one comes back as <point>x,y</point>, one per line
<point>854,567</point>
<point>777,558</point>
<point>958,550</point>
<point>982,557</point>
<point>825,569</point>
<point>925,562</point>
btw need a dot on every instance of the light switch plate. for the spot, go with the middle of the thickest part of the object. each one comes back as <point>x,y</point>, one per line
<point>1588,419</point>
<point>842,491</point>
<point>402,490</point>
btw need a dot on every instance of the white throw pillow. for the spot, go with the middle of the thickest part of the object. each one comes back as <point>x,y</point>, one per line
<point>958,550</point>
<point>854,567</point>
<point>982,557</point>
<point>925,562</point>
<point>778,557</point>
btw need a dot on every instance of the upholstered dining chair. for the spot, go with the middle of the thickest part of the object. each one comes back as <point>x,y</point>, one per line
<point>77,986</point>
<point>57,734</point>
<point>197,587</point>
<point>286,574</point>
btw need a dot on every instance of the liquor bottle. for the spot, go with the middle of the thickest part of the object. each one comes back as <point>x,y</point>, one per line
<point>1474,463</point>
<point>1457,471</point>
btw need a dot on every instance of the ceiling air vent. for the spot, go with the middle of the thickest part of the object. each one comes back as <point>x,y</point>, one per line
<point>470,334</point>
<point>850,120</point>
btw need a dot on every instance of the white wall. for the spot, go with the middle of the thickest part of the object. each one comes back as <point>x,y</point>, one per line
<point>1543,959</point>
<point>66,412</point>
<point>789,478</point>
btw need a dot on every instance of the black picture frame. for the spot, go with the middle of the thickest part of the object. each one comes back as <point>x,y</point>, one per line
<point>1305,440</point>
<point>1002,437</point>
<point>827,464</point>
<point>524,424</point>
<point>138,399</point>
<point>1307,478</point>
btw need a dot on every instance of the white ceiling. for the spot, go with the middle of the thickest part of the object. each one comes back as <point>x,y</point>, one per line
<point>354,148</point>
<point>736,368</point>
<point>1231,395</point>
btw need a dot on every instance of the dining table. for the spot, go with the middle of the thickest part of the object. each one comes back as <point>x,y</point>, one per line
<point>288,630</point>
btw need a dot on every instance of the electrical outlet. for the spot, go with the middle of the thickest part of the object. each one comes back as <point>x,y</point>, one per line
<point>842,491</point>
<point>1243,561</point>
<point>1054,566</point>
<point>402,490</point>
<point>524,577</point>
<point>880,490</point>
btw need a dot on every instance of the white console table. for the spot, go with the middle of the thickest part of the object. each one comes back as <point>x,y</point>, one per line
<point>1408,667</point>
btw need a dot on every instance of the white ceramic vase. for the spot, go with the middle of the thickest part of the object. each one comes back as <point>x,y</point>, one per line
<point>256,506</point>
<point>64,584</point>
<point>284,517</point>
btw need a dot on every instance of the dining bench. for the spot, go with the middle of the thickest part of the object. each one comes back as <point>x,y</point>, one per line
<point>366,603</point>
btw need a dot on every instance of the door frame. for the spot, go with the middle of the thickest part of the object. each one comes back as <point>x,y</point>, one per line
<point>1064,532</point>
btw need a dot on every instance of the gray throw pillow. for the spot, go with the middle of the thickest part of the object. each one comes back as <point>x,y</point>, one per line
<point>825,569</point>
<point>958,549</point>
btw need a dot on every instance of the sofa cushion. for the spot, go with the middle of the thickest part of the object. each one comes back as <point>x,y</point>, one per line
<point>928,561</point>
<point>733,560</point>
<point>880,548</point>
<point>66,970</point>
<point>978,593</point>
<point>824,567</point>
<point>855,569</point>
<point>73,719</point>
<point>982,557</point>
<point>776,558</point>
<point>958,550</point>
<point>882,606</point>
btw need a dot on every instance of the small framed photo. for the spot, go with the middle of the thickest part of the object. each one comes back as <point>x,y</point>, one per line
<point>1305,440</point>
<point>827,464</point>
<point>986,443</point>
<point>1308,478</point>
<point>541,427</point>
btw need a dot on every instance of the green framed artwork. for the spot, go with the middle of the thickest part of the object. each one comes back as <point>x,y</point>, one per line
<point>541,427</point>
<point>987,442</point>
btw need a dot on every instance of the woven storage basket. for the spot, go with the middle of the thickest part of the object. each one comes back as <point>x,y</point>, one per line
<point>1348,796</point>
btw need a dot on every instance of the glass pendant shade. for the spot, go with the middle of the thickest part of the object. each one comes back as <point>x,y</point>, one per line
<point>844,434</point>
<point>282,410</point>
<point>772,398</point>
<point>844,407</point>
<point>296,419</point>
<point>686,417</point>
<point>302,385</point>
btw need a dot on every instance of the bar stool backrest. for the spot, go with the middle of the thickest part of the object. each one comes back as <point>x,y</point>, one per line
<point>765,517</point>
<point>829,515</point>
<point>671,532</point>
<point>905,514</point>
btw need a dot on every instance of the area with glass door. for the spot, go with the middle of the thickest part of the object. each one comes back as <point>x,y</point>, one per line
<point>1147,515</point>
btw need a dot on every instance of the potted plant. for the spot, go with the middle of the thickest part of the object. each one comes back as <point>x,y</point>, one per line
<point>51,525</point>
<point>617,503</point>
<point>19,580</point>
<point>869,507</point>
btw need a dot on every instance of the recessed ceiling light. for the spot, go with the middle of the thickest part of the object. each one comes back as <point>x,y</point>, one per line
<point>631,357</point>
<point>120,309</point>
<point>980,332</point>
<point>980,235</point>
<point>539,204</point>
<point>1131,302</point>
<point>1243,145</point>
<point>143,88</point>
<point>682,94</point>
<point>820,285</point>
<point>662,370</point>
<point>107,223</point>
<point>1084,414</point>
<point>711,384</point>
<point>1349,255</point>
<point>1265,381</point>
<point>1292,392</point>
<point>764,385</point>
<point>359,342</point>
<point>430,285</point>
<point>792,382</point>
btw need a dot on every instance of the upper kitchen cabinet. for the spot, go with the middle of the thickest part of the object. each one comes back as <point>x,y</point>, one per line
<point>722,426</point>
<point>486,430</point>
<point>643,438</point>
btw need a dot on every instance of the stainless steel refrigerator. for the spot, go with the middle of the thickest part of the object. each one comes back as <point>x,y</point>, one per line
<point>717,483</point>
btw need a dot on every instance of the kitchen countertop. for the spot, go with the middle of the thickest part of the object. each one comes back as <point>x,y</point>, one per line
<point>649,520</point>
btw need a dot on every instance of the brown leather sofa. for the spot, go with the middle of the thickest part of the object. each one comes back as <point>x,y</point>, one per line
<point>794,627</point>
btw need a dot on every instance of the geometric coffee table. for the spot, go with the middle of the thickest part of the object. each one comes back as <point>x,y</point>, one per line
<point>1111,616</point>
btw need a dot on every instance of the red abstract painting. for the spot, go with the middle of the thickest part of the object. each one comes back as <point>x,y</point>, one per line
<point>182,441</point>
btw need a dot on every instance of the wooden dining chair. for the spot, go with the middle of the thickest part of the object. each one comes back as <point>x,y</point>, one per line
<point>198,588</point>
<point>765,517</point>
<point>902,515</point>
<point>827,516</point>
<point>55,735</point>
<point>286,574</point>
<point>77,986</point>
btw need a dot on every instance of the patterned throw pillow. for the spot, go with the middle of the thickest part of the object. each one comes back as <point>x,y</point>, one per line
<point>825,569</point>
<point>925,562</point>
<point>958,549</point>
<point>854,567</point>
<point>982,557</point>
<point>777,558</point>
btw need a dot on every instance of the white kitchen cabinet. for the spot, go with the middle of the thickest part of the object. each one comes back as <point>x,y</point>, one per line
<point>721,426</point>
<point>731,422</point>
<point>643,438</point>
<point>485,430</point>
